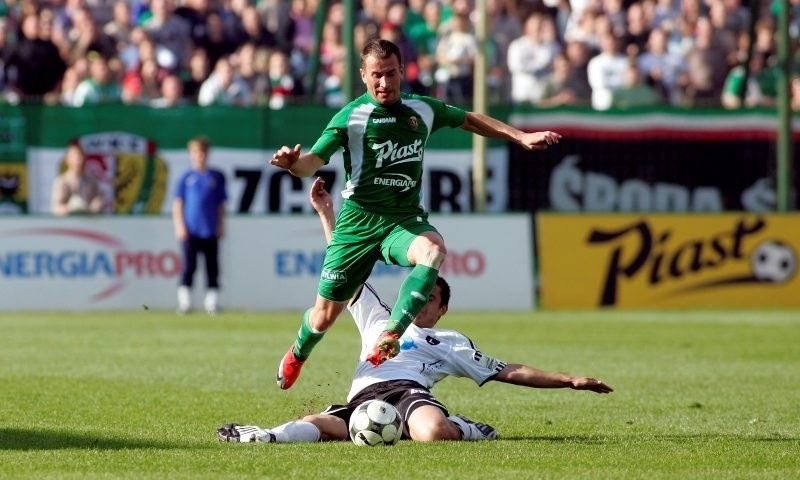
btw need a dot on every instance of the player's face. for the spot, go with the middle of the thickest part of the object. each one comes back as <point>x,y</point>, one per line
<point>432,311</point>
<point>383,77</point>
<point>199,157</point>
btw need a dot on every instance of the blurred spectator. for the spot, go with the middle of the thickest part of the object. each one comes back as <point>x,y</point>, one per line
<point>331,47</point>
<point>224,87</point>
<point>170,31</point>
<point>281,81</point>
<point>252,65</point>
<point>530,59</point>
<point>218,42</point>
<point>87,37</point>
<point>606,72</point>
<point>761,89</point>
<point>77,191</point>
<point>503,26</point>
<point>661,68</point>
<point>424,36</point>
<point>562,87</point>
<point>121,26</point>
<point>333,86</point>
<point>634,92</point>
<point>171,93</point>
<point>69,84</point>
<point>302,15</point>
<point>100,87</point>
<point>195,14</point>
<point>198,72</point>
<point>34,66</point>
<point>142,85</point>
<point>665,15</point>
<point>277,18</point>
<point>455,56</point>
<point>253,30</point>
<point>794,92</point>
<point>706,68</point>
<point>635,36</point>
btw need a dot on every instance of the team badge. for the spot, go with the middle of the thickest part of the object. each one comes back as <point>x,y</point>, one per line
<point>129,166</point>
<point>413,123</point>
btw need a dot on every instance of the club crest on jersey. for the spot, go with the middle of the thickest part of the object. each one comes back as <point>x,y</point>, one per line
<point>413,123</point>
<point>432,341</point>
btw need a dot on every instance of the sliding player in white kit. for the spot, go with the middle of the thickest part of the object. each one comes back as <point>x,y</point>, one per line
<point>427,355</point>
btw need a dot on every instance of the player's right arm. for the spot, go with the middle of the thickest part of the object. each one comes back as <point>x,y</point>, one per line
<point>298,165</point>
<point>518,374</point>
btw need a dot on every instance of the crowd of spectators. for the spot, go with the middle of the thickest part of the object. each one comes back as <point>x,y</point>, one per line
<point>598,53</point>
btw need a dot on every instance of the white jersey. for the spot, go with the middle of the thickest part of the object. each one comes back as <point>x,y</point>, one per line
<point>426,356</point>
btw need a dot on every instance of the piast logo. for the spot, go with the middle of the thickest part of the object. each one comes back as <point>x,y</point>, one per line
<point>639,251</point>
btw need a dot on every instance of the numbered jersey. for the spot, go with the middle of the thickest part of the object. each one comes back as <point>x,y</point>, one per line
<point>383,148</point>
<point>426,356</point>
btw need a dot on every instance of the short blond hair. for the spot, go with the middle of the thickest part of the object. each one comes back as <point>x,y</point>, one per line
<point>200,141</point>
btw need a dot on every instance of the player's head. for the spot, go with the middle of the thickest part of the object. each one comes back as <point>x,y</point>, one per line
<point>198,151</point>
<point>436,307</point>
<point>382,70</point>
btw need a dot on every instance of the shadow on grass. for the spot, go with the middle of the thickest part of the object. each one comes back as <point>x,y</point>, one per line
<point>38,439</point>
<point>612,439</point>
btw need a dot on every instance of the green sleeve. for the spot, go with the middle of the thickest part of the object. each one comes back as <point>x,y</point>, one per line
<point>446,115</point>
<point>333,137</point>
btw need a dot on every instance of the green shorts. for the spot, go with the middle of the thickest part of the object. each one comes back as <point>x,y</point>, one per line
<point>359,240</point>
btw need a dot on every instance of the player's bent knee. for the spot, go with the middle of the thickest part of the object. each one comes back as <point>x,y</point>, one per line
<point>435,431</point>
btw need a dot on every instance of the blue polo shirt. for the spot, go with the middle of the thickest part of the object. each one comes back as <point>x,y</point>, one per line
<point>202,194</point>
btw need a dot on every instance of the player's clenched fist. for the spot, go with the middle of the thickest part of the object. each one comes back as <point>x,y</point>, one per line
<point>286,157</point>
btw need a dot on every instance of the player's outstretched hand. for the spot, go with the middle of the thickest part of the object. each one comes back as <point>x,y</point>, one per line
<point>320,198</point>
<point>286,157</point>
<point>539,140</point>
<point>593,384</point>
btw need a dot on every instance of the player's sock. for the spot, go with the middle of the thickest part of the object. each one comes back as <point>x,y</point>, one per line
<point>297,431</point>
<point>471,430</point>
<point>211,302</point>
<point>184,299</point>
<point>307,338</point>
<point>414,293</point>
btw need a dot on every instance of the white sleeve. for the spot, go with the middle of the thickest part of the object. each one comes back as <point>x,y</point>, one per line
<point>368,310</point>
<point>466,360</point>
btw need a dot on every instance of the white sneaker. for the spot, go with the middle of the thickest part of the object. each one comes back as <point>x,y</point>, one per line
<point>472,430</point>
<point>211,302</point>
<point>184,300</point>
<point>233,432</point>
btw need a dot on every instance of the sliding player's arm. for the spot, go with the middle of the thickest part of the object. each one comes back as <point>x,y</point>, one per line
<point>518,374</point>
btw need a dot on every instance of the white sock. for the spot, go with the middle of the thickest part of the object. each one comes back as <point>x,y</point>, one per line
<point>184,298</point>
<point>297,431</point>
<point>210,303</point>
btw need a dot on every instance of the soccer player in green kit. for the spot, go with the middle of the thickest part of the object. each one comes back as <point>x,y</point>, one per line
<point>383,133</point>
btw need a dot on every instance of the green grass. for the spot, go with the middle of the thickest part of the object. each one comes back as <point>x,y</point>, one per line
<point>711,394</point>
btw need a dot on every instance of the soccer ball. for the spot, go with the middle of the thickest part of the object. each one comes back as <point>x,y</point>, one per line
<point>375,422</point>
<point>773,261</point>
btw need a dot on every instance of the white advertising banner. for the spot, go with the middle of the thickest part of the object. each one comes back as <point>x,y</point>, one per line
<point>267,263</point>
<point>256,187</point>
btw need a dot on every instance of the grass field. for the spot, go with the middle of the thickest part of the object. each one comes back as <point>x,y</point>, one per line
<point>713,394</point>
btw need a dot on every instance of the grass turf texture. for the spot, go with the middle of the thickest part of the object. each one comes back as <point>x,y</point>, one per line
<point>710,394</point>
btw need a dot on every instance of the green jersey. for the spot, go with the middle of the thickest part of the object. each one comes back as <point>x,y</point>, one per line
<point>383,148</point>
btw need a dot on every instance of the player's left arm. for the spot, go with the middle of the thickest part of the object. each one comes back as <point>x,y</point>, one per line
<point>487,126</point>
<point>518,374</point>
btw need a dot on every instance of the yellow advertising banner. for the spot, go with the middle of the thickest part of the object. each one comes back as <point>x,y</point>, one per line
<point>668,260</point>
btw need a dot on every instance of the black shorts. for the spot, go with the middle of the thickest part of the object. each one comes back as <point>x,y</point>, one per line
<point>405,395</point>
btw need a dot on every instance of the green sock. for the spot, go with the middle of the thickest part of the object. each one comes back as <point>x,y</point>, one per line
<point>307,338</point>
<point>413,296</point>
